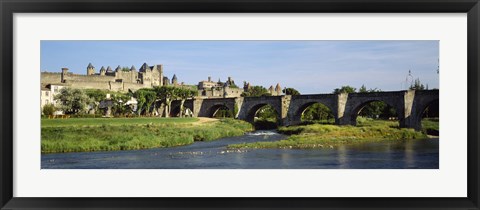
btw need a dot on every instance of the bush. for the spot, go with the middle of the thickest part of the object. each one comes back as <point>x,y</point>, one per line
<point>49,109</point>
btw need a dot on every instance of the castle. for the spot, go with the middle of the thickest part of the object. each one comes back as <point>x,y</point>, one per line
<point>120,79</point>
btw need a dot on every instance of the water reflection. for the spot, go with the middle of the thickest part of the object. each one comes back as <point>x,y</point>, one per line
<point>207,155</point>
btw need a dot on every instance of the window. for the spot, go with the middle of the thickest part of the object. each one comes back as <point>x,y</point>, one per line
<point>46,93</point>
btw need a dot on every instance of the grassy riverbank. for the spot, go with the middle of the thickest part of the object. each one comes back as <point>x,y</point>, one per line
<point>328,136</point>
<point>107,134</point>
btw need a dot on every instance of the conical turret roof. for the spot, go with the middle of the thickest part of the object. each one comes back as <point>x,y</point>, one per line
<point>133,68</point>
<point>102,69</point>
<point>144,67</point>
<point>277,88</point>
<point>109,69</point>
<point>90,66</point>
<point>118,68</point>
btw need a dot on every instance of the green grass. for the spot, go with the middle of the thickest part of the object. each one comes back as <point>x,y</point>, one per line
<point>328,136</point>
<point>113,121</point>
<point>431,126</point>
<point>132,134</point>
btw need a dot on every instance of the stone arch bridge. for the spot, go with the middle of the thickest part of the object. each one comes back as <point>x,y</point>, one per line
<point>409,106</point>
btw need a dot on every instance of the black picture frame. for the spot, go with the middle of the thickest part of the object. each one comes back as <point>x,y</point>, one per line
<point>9,7</point>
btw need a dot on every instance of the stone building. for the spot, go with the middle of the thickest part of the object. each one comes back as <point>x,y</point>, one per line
<point>210,89</point>
<point>48,93</point>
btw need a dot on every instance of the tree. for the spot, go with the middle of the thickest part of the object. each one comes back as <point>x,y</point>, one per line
<point>184,94</point>
<point>363,89</point>
<point>96,96</point>
<point>49,109</point>
<point>256,91</point>
<point>119,101</point>
<point>417,85</point>
<point>166,94</point>
<point>267,113</point>
<point>291,91</point>
<point>145,98</point>
<point>344,89</point>
<point>125,68</point>
<point>317,112</point>
<point>72,101</point>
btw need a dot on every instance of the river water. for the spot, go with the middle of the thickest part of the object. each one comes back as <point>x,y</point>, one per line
<point>397,154</point>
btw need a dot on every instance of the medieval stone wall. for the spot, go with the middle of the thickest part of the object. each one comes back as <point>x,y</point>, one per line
<point>127,76</point>
<point>132,86</point>
<point>88,85</point>
<point>50,78</point>
<point>88,78</point>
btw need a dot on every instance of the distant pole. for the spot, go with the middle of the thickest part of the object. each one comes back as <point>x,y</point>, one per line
<point>438,66</point>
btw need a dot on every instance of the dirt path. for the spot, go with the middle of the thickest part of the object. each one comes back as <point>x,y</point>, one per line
<point>202,120</point>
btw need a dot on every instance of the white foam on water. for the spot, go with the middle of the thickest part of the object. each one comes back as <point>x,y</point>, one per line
<point>262,133</point>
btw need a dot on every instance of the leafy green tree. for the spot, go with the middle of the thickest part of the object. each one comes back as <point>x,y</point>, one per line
<point>417,85</point>
<point>184,94</point>
<point>49,109</point>
<point>119,101</point>
<point>256,91</point>
<point>317,112</point>
<point>290,91</point>
<point>145,98</point>
<point>166,94</point>
<point>363,89</point>
<point>125,68</point>
<point>266,113</point>
<point>72,101</point>
<point>344,89</point>
<point>96,96</point>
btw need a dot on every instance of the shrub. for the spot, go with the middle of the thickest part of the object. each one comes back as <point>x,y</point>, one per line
<point>49,109</point>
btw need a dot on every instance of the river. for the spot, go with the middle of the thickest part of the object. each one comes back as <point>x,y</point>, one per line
<point>388,154</point>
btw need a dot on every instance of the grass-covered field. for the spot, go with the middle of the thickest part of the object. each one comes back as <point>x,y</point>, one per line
<point>106,134</point>
<point>328,136</point>
<point>113,121</point>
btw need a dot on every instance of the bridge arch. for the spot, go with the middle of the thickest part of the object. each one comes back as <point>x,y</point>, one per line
<point>298,112</point>
<point>252,112</point>
<point>175,107</point>
<point>355,102</point>
<point>215,109</point>
<point>420,108</point>
<point>357,109</point>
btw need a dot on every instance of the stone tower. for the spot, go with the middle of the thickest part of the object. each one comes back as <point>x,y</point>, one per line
<point>64,74</point>
<point>166,81</point>
<point>174,80</point>
<point>90,69</point>
<point>160,74</point>
<point>270,90</point>
<point>278,89</point>
<point>102,71</point>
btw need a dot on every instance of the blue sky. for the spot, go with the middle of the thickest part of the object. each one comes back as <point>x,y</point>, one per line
<point>308,66</point>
